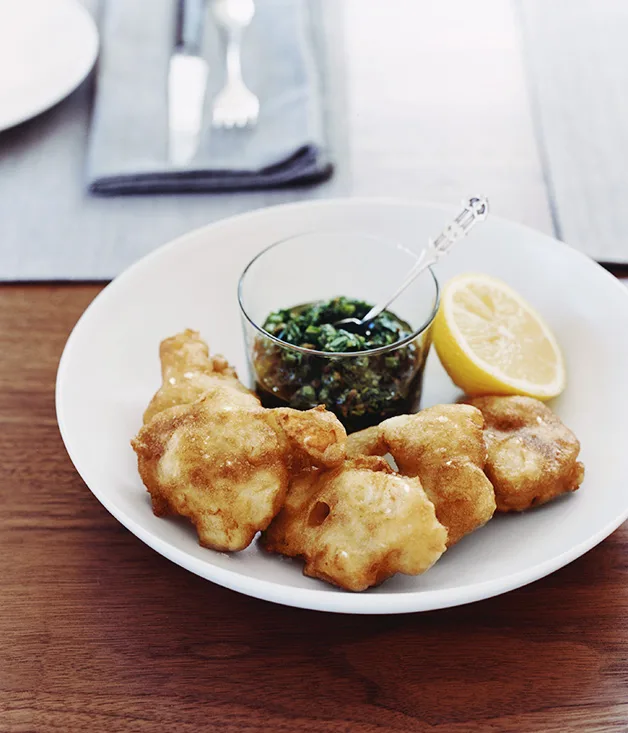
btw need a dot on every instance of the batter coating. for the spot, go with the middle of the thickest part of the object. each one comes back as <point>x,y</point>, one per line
<point>532,456</point>
<point>357,525</point>
<point>221,459</point>
<point>444,447</point>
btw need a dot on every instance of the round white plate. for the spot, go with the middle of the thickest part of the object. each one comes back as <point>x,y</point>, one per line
<point>47,48</point>
<point>110,369</point>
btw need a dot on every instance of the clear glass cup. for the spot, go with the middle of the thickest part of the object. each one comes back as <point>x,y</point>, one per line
<point>361,387</point>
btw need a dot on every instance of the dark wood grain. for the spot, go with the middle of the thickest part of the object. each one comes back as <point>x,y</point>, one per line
<point>99,633</point>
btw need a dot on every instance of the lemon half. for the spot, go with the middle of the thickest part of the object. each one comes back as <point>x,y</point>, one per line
<point>491,341</point>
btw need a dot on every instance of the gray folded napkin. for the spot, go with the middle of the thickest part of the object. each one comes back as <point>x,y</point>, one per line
<point>129,130</point>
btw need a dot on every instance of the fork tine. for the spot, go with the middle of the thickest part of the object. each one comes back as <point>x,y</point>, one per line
<point>235,106</point>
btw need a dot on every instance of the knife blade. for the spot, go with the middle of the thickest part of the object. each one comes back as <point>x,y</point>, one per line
<point>187,82</point>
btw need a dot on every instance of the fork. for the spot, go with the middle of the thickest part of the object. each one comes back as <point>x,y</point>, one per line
<point>235,104</point>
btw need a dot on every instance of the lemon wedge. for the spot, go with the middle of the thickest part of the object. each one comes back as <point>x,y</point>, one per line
<point>491,341</point>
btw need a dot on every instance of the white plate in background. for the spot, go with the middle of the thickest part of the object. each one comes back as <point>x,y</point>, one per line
<point>110,369</point>
<point>47,48</point>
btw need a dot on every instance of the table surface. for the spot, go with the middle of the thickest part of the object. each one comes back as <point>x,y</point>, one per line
<point>465,128</point>
<point>427,100</point>
<point>101,633</point>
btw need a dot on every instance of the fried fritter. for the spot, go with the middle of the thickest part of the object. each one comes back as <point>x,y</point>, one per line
<point>226,464</point>
<point>217,456</point>
<point>444,447</point>
<point>220,464</point>
<point>357,525</point>
<point>188,371</point>
<point>532,456</point>
<point>367,442</point>
<point>316,437</point>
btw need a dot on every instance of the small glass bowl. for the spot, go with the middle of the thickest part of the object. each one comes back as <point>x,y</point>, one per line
<point>362,387</point>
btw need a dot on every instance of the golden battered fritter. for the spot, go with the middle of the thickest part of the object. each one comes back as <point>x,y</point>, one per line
<point>357,525</point>
<point>444,447</point>
<point>367,442</point>
<point>223,460</point>
<point>532,456</point>
<point>188,371</point>
<point>220,464</point>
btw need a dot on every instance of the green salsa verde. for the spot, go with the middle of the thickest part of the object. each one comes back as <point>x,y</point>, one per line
<point>360,389</point>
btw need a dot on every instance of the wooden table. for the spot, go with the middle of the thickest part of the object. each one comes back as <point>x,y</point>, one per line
<point>99,633</point>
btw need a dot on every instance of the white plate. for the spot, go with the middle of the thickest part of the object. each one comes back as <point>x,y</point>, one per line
<point>110,369</point>
<point>47,48</point>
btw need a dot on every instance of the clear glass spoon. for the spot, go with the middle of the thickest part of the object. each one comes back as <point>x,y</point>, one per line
<point>476,209</point>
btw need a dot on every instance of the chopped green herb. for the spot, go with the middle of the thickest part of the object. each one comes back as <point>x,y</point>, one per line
<point>361,390</point>
<point>313,324</point>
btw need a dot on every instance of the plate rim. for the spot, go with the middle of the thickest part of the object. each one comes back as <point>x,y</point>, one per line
<point>323,599</point>
<point>51,100</point>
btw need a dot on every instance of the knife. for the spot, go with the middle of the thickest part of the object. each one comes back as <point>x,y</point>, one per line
<point>187,82</point>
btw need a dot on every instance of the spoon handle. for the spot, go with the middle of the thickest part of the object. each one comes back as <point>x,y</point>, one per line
<point>476,209</point>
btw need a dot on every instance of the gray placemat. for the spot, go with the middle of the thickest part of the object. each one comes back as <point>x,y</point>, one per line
<point>53,229</point>
<point>128,146</point>
<point>577,60</point>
